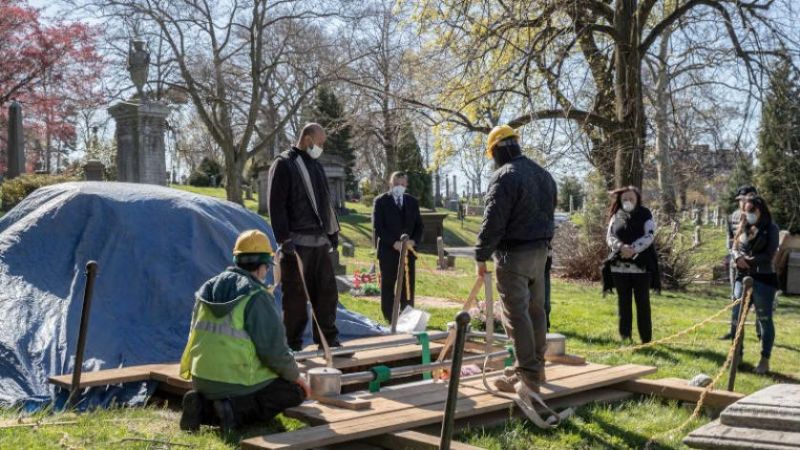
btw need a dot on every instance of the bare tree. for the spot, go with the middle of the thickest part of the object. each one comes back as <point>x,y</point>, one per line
<point>587,57</point>
<point>227,54</point>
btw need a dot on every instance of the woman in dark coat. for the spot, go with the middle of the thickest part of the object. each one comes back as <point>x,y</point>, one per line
<point>632,266</point>
<point>753,250</point>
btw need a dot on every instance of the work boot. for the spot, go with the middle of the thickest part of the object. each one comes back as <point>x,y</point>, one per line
<point>763,366</point>
<point>224,411</point>
<point>726,337</point>
<point>506,382</point>
<point>532,380</point>
<point>192,405</point>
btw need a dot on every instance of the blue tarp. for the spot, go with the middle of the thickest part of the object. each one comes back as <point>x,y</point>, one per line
<point>154,247</point>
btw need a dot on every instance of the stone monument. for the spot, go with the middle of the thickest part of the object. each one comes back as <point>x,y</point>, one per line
<point>16,142</point>
<point>767,419</point>
<point>334,167</point>
<point>140,127</point>
<point>94,170</point>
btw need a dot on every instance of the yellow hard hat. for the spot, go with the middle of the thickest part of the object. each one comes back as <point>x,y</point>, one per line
<point>252,241</point>
<point>497,134</point>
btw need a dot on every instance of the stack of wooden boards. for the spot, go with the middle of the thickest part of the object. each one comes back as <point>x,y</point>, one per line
<point>415,406</point>
<point>391,418</point>
<point>168,374</point>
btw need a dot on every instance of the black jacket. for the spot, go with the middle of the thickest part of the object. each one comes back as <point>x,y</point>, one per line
<point>628,233</point>
<point>289,206</point>
<point>520,207</point>
<point>760,249</point>
<point>390,222</point>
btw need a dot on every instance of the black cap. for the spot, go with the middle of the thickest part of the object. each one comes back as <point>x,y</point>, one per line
<point>746,190</point>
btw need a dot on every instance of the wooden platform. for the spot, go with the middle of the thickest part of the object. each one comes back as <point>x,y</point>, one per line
<point>169,373</point>
<point>422,404</point>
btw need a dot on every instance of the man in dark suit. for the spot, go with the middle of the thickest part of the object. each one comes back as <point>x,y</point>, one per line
<point>394,214</point>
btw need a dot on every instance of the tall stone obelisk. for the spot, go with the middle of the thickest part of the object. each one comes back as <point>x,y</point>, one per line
<point>16,142</point>
<point>141,125</point>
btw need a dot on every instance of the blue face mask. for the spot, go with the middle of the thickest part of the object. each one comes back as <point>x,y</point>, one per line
<point>752,218</point>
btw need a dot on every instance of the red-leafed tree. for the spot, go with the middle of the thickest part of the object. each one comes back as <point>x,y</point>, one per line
<point>53,69</point>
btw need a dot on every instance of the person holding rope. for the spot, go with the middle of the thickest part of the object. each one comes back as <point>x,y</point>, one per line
<point>518,224</point>
<point>394,214</point>
<point>733,222</point>
<point>753,250</point>
<point>304,223</point>
<point>632,266</point>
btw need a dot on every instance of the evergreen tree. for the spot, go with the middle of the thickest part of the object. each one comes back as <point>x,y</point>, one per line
<point>742,174</point>
<point>778,173</point>
<point>329,112</point>
<point>570,187</point>
<point>409,160</point>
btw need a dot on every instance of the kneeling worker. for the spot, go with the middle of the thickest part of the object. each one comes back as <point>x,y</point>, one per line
<point>237,357</point>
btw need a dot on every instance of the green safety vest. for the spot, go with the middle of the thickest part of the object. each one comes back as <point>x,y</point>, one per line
<point>219,348</point>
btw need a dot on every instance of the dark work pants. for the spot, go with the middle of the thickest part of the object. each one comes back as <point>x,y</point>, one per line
<point>321,283</point>
<point>389,262</point>
<point>261,406</point>
<point>521,284</point>
<point>630,286</point>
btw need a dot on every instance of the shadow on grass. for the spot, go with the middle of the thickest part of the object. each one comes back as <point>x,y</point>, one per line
<point>234,437</point>
<point>632,440</point>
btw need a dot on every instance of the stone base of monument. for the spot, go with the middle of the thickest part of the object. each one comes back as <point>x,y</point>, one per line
<point>767,419</point>
<point>344,283</point>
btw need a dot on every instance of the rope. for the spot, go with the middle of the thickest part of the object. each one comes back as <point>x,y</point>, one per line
<point>523,401</point>
<point>411,250</point>
<point>668,338</point>
<point>731,352</point>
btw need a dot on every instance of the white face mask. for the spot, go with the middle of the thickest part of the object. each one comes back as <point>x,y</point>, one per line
<point>628,206</point>
<point>315,151</point>
<point>398,190</point>
<point>752,218</point>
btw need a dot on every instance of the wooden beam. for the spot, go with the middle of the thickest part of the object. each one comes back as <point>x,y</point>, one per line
<point>414,440</point>
<point>678,389</point>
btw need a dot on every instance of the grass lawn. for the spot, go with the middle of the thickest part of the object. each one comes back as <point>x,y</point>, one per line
<point>579,311</point>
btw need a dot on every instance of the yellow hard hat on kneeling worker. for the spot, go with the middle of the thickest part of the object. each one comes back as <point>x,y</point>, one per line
<point>497,134</point>
<point>252,241</point>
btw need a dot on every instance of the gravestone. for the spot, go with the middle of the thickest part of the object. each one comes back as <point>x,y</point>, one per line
<point>348,250</point>
<point>94,170</point>
<point>16,142</point>
<point>433,227</point>
<point>767,419</point>
<point>262,184</point>
<point>140,142</point>
<point>338,269</point>
<point>334,167</point>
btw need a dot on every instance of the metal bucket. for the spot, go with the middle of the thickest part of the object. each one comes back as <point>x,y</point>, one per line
<point>325,381</point>
<point>556,344</point>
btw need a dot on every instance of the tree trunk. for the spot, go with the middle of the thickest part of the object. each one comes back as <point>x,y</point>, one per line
<point>628,141</point>
<point>234,165</point>
<point>666,181</point>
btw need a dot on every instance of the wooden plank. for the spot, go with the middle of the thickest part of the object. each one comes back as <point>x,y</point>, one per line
<point>106,377</point>
<point>678,389</point>
<point>414,440</point>
<point>416,396</point>
<point>344,401</point>
<point>499,418</point>
<point>168,373</point>
<point>474,402</point>
<point>375,357</point>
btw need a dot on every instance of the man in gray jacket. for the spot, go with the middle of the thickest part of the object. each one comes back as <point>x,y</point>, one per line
<point>518,223</point>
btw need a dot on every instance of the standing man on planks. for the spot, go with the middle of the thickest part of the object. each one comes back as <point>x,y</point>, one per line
<point>394,214</point>
<point>305,224</point>
<point>518,224</point>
